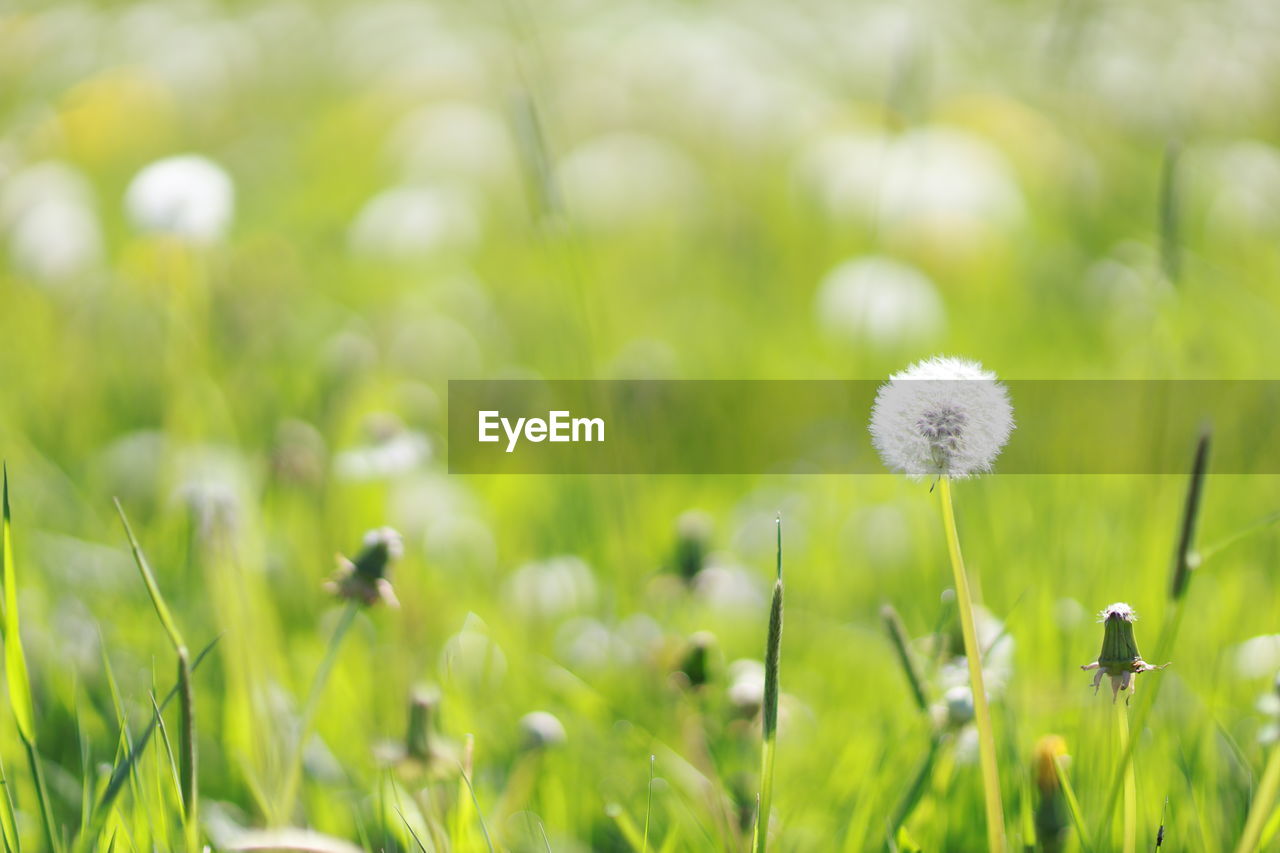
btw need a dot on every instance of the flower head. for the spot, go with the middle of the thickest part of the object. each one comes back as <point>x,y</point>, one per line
<point>188,196</point>
<point>1119,659</point>
<point>941,417</point>
<point>364,579</point>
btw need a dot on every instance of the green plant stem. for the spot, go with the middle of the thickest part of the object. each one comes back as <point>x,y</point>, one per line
<point>1130,825</point>
<point>773,651</point>
<point>290,790</point>
<point>190,789</point>
<point>1251,838</point>
<point>42,794</point>
<point>973,654</point>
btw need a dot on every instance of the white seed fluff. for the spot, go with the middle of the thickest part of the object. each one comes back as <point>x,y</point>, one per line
<point>941,417</point>
<point>187,196</point>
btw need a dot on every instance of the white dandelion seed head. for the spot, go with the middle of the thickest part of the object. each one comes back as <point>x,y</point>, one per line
<point>941,417</point>
<point>1120,610</point>
<point>187,196</point>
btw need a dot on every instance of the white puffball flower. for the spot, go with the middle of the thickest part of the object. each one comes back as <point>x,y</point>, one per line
<point>941,417</point>
<point>879,301</point>
<point>187,196</point>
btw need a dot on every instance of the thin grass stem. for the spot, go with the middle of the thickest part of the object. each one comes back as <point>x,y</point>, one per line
<point>1263,798</point>
<point>773,652</point>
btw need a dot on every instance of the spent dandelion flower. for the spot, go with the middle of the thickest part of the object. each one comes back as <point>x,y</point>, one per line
<point>949,418</point>
<point>1119,659</point>
<point>942,417</point>
<point>187,196</point>
<point>542,730</point>
<point>364,579</point>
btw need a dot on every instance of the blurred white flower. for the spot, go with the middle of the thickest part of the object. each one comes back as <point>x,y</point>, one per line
<point>1243,187</point>
<point>880,302</point>
<point>471,657</point>
<point>409,222</point>
<point>1258,656</point>
<point>55,240</point>
<point>947,176</point>
<point>934,177</point>
<point>47,210</point>
<point>454,139</point>
<point>746,683</point>
<point>393,450</point>
<point>617,180</point>
<point>552,587</point>
<point>186,196</point>
<point>958,705</point>
<point>542,729</point>
<point>729,589</point>
<point>941,417</point>
<point>997,657</point>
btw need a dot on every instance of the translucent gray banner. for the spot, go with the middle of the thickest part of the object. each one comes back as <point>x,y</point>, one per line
<point>821,427</point>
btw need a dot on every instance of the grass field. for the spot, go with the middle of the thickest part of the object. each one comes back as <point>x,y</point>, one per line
<point>251,349</point>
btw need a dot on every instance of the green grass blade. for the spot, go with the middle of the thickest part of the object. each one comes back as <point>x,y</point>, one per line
<point>15,662</point>
<point>1073,805</point>
<point>148,578</point>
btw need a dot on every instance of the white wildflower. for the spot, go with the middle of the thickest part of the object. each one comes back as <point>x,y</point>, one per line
<point>187,196</point>
<point>941,417</point>
<point>881,302</point>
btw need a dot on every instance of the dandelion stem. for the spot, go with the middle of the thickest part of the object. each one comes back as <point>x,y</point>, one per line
<point>290,791</point>
<point>1130,825</point>
<point>973,654</point>
<point>1261,806</point>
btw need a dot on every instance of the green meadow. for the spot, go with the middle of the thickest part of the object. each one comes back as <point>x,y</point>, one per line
<point>249,348</point>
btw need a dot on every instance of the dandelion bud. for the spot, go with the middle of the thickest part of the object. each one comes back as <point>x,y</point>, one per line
<point>541,730</point>
<point>693,535</point>
<point>1119,659</point>
<point>423,703</point>
<point>364,579</point>
<point>944,417</point>
<point>958,702</point>
<point>1052,819</point>
<point>697,664</point>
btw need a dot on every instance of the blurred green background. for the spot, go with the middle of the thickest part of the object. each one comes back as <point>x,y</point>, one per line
<point>250,348</point>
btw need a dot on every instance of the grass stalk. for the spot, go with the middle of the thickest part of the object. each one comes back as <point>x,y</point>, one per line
<point>996,841</point>
<point>294,773</point>
<point>769,729</point>
<point>1260,808</point>
<point>19,682</point>
<point>186,693</point>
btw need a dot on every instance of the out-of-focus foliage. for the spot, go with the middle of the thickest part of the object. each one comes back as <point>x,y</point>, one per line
<point>244,246</point>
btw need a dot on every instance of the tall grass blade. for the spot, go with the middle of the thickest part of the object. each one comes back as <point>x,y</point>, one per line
<point>124,769</point>
<point>19,683</point>
<point>1073,805</point>
<point>186,693</point>
<point>1263,800</point>
<point>772,656</point>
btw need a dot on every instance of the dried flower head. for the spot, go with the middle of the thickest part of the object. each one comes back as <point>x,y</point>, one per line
<point>541,730</point>
<point>364,579</point>
<point>1119,659</point>
<point>941,417</point>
